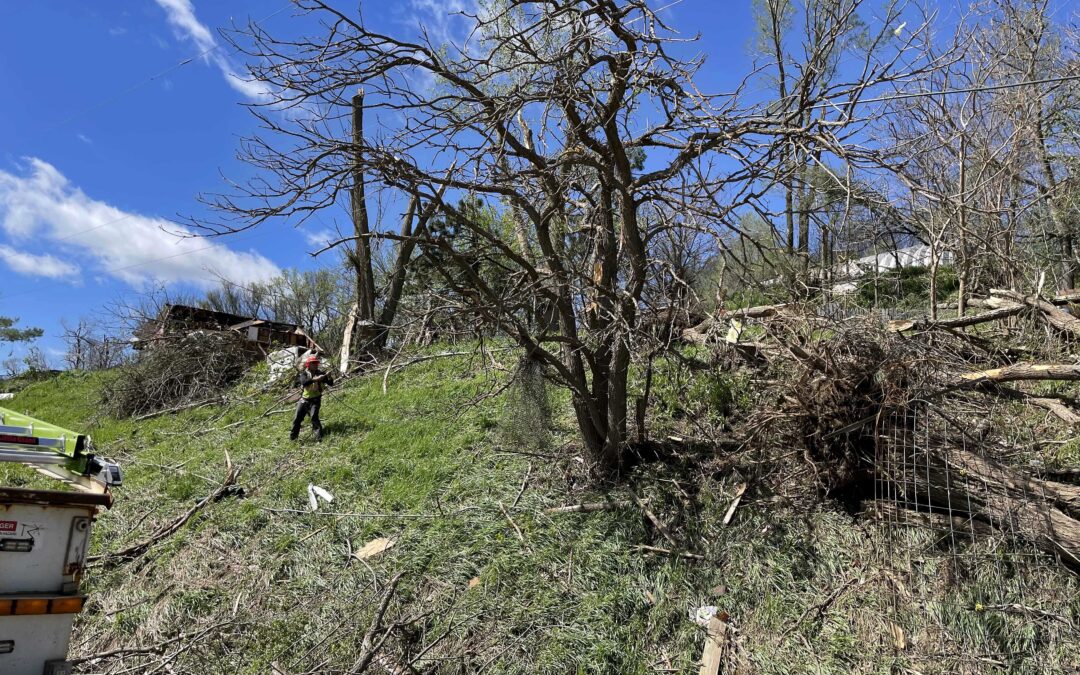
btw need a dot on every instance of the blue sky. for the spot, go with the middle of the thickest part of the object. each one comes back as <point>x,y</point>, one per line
<point>97,160</point>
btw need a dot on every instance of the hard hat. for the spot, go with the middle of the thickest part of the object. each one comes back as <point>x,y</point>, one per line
<point>311,359</point>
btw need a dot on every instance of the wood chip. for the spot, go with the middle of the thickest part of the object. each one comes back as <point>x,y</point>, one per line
<point>474,582</point>
<point>374,548</point>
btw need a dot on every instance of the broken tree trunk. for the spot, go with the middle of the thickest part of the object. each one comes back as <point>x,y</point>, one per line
<point>953,482</point>
<point>1058,318</point>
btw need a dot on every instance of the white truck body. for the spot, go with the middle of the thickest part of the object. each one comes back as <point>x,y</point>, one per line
<point>44,536</point>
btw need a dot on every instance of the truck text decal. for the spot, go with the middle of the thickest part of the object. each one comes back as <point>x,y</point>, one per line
<point>8,526</point>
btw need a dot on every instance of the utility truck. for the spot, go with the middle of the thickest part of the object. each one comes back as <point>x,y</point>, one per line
<point>44,535</point>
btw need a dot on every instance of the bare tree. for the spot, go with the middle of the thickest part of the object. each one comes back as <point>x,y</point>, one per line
<point>582,123</point>
<point>91,345</point>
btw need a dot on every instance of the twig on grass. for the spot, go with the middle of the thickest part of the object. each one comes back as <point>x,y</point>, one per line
<point>653,519</point>
<point>588,508</point>
<point>680,554</point>
<point>517,530</point>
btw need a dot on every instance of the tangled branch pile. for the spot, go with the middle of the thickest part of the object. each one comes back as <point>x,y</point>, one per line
<point>939,422</point>
<point>197,367</point>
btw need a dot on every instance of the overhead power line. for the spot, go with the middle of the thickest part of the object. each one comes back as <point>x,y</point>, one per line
<point>946,92</point>
<point>142,83</point>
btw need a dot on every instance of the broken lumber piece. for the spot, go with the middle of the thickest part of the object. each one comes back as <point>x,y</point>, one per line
<point>716,642</point>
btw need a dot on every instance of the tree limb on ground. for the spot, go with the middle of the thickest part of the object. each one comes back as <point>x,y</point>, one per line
<point>162,533</point>
<point>1058,318</point>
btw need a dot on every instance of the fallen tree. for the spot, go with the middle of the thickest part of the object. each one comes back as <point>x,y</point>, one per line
<point>881,419</point>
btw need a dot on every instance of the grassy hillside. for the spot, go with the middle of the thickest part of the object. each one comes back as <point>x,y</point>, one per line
<point>489,581</point>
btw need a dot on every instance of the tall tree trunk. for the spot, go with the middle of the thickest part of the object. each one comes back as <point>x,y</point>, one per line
<point>365,279</point>
<point>1062,230</point>
<point>397,275</point>
<point>962,262</point>
<point>359,328</point>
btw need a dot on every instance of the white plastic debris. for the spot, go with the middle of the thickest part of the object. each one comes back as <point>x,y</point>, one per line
<point>283,362</point>
<point>315,493</point>
<point>701,615</point>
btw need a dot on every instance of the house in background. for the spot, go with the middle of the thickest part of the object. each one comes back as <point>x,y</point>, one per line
<point>261,335</point>
<point>846,275</point>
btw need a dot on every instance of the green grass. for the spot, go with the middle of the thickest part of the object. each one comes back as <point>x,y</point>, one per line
<point>424,467</point>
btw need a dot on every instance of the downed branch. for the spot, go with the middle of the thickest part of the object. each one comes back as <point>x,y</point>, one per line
<point>1058,318</point>
<point>369,646</point>
<point>1062,411</point>
<point>653,519</point>
<point>1011,309</point>
<point>162,533</point>
<point>187,406</point>
<point>1025,371</point>
<point>588,508</point>
<point>159,649</point>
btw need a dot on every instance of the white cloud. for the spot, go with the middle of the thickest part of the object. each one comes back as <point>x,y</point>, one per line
<point>320,237</point>
<point>117,30</point>
<point>181,16</point>
<point>42,206</point>
<point>443,20</point>
<point>84,138</point>
<point>33,265</point>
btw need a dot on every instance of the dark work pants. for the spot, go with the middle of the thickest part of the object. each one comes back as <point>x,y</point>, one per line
<point>307,406</point>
